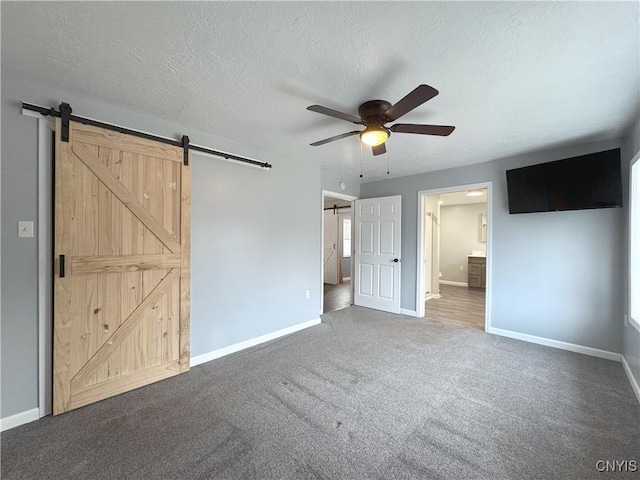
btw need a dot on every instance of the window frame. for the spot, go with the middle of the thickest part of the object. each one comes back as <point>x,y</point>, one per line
<point>634,242</point>
<point>346,252</point>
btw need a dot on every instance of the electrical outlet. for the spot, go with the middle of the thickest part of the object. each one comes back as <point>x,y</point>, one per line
<point>462,268</point>
<point>307,294</point>
<point>25,229</point>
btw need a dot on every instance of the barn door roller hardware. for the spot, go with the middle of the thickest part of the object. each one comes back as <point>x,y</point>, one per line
<point>335,208</point>
<point>64,113</point>
<point>185,147</point>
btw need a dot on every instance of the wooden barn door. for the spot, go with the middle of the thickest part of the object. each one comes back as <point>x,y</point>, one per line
<point>121,286</point>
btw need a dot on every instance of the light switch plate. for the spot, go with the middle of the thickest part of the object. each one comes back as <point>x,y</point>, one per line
<point>25,229</point>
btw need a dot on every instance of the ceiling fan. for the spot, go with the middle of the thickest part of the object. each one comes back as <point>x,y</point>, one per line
<point>374,114</point>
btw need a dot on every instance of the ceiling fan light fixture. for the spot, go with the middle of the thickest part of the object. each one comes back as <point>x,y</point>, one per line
<point>474,193</point>
<point>374,135</point>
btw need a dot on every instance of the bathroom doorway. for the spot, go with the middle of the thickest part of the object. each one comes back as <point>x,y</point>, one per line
<point>453,255</point>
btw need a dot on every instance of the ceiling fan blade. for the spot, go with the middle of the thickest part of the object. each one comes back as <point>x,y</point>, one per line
<point>441,130</point>
<point>333,139</point>
<point>414,99</point>
<point>379,149</point>
<point>334,113</point>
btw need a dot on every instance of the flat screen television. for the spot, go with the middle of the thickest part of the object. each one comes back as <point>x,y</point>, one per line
<point>577,183</point>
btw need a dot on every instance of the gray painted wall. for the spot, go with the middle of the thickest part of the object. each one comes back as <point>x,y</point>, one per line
<point>331,182</point>
<point>252,260</point>
<point>556,275</point>
<point>18,321</point>
<point>248,279</point>
<point>459,236</point>
<point>631,336</point>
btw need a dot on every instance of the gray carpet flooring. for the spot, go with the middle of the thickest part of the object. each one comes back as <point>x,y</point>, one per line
<point>364,395</point>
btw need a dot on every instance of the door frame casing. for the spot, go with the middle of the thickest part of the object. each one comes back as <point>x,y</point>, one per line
<point>341,196</point>
<point>420,268</point>
<point>45,266</point>
<point>46,127</point>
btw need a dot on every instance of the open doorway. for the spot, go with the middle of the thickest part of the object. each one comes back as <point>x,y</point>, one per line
<point>337,248</point>
<point>453,255</point>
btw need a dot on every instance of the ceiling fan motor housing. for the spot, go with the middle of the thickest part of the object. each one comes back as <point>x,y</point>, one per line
<point>372,112</point>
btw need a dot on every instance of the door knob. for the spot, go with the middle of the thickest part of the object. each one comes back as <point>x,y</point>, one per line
<point>396,260</point>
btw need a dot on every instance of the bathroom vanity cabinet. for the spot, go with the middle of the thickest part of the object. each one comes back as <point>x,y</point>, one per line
<point>477,272</point>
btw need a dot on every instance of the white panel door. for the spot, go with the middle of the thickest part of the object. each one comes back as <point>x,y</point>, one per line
<point>330,247</point>
<point>377,254</point>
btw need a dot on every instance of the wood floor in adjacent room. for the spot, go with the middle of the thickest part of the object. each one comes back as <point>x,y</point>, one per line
<point>459,305</point>
<point>337,297</point>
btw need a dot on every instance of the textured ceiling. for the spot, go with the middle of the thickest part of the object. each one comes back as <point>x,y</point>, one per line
<point>513,76</point>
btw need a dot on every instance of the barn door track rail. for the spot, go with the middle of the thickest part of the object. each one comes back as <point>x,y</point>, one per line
<point>64,112</point>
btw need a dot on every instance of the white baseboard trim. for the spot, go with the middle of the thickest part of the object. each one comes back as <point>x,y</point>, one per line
<point>410,313</point>
<point>19,419</point>
<point>456,284</point>
<point>632,379</point>
<point>207,357</point>
<point>344,279</point>
<point>572,347</point>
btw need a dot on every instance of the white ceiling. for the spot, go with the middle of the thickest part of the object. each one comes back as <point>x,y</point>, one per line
<point>513,76</point>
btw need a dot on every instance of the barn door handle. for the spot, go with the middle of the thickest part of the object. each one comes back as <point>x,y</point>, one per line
<point>61,266</point>
<point>396,260</point>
